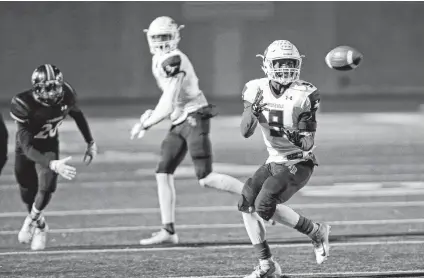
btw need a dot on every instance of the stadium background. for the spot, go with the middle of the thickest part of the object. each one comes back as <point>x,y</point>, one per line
<point>103,52</point>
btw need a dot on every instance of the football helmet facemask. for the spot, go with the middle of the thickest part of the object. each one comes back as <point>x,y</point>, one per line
<point>47,82</point>
<point>163,35</point>
<point>282,62</point>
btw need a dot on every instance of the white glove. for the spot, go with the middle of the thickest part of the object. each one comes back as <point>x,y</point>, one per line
<point>60,167</point>
<point>90,153</point>
<point>138,129</point>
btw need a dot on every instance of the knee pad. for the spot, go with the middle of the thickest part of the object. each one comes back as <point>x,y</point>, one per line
<point>203,167</point>
<point>266,214</point>
<point>164,167</point>
<point>204,174</point>
<point>244,206</point>
<point>247,199</point>
<point>265,208</point>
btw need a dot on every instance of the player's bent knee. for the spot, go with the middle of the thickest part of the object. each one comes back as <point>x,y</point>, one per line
<point>244,205</point>
<point>27,194</point>
<point>204,176</point>
<point>47,180</point>
<point>247,200</point>
<point>265,214</point>
<point>265,209</point>
<point>164,167</point>
<point>203,168</point>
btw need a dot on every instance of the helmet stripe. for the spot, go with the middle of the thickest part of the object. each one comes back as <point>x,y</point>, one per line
<point>49,71</point>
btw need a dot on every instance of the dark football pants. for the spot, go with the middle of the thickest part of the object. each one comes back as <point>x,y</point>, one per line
<point>192,135</point>
<point>4,135</point>
<point>34,178</point>
<point>274,184</point>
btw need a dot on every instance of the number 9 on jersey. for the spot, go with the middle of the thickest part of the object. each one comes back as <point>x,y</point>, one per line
<point>276,122</point>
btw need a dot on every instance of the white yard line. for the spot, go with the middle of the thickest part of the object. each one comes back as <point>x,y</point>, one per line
<point>323,274</point>
<point>217,226</point>
<point>320,184</point>
<point>130,211</point>
<point>182,248</point>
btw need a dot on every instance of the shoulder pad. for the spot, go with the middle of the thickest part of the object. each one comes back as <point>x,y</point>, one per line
<point>172,65</point>
<point>250,90</point>
<point>304,86</point>
<point>70,95</point>
<point>19,109</point>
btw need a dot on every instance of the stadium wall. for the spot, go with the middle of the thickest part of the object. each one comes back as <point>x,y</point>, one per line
<point>102,51</point>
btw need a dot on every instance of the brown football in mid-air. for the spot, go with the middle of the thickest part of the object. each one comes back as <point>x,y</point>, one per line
<point>343,58</point>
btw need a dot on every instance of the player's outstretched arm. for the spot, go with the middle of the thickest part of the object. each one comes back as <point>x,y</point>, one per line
<point>24,137</point>
<point>82,124</point>
<point>165,105</point>
<point>249,121</point>
<point>84,128</point>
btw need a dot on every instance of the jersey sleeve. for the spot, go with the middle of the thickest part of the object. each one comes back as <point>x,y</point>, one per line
<point>172,65</point>
<point>307,119</point>
<point>76,113</point>
<point>249,91</point>
<point>19,110</point>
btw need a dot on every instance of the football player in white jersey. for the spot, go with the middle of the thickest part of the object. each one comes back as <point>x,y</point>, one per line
<point>285,108</point>
<point>186,106</point>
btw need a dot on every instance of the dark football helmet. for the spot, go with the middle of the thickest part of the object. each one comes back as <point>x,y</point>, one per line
<point>47,81</point>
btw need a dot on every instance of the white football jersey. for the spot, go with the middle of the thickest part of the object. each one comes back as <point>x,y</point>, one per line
<point>281,111</point>
<point>190,97</point>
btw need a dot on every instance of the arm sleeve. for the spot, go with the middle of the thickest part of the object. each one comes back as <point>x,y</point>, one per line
<point>248,122</point>
<point>307,121</point>
<point>19,110</point>
<point>82,123</point>
<point>78,116</point>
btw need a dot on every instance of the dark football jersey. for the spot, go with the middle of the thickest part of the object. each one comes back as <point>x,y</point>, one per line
<point>40,120</point>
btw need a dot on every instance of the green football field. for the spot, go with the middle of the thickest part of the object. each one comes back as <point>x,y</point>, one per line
<point>369,187</point>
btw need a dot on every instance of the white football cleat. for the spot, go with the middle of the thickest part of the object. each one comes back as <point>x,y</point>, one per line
<point>266,269</point>
<point>321,243</point>
<point>40,238</point>
<point>163,236</point>
<point>27,230</point>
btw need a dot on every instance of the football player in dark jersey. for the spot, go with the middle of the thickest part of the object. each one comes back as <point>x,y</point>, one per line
<point>4,135</point>
<point>38,113</point>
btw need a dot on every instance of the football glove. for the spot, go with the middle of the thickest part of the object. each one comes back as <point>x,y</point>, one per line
<point>257,105</point>
<point>294,136</point>
<point>90,153</point>
<point>138,129</point>
<point>61,168</point>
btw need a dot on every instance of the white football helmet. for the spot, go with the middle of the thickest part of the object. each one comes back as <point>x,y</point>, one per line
<point>282,62</point>
<point>163,35</point>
